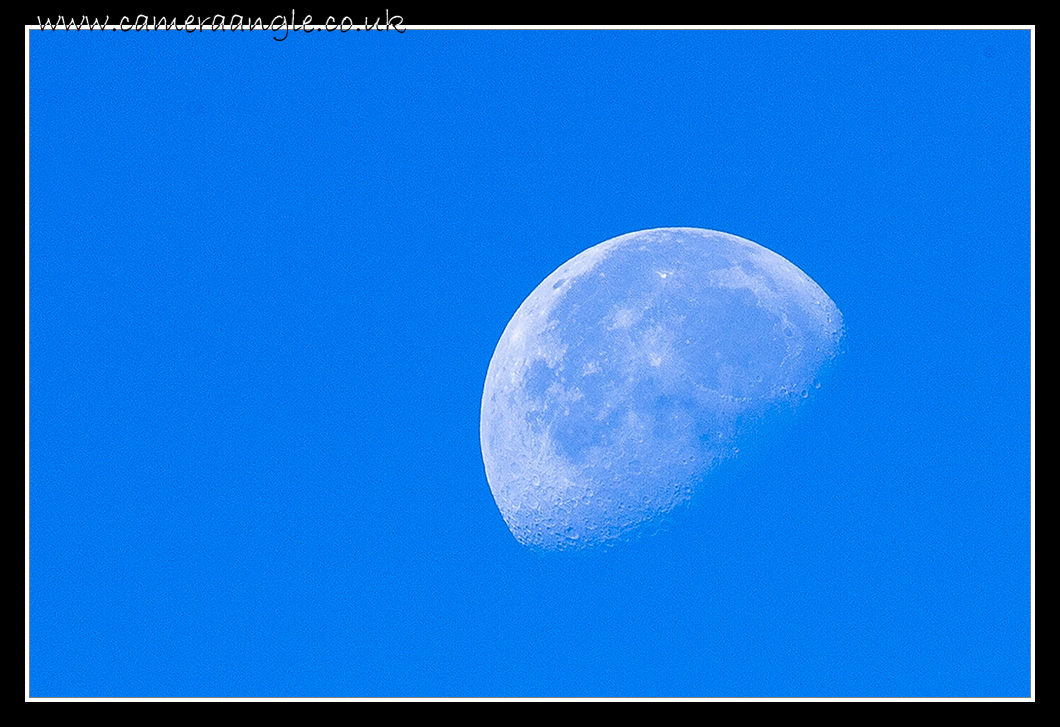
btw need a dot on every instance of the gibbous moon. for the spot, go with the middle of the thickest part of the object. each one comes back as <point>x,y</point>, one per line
<point>628,373</point>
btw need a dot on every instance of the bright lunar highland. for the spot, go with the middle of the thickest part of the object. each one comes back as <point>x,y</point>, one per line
<point>633,370</point>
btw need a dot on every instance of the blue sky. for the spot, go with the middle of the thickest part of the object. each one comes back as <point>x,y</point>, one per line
<point>267,278</point>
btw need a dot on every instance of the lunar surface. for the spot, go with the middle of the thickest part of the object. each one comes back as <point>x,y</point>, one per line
<point>633,370</point>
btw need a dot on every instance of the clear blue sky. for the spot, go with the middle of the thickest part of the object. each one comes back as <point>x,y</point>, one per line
<point>267,279</point>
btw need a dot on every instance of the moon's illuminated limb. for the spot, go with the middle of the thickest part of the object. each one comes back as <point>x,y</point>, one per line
<point>624,377</point>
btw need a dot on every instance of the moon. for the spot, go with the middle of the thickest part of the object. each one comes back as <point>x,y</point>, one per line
<point>630,373</point>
